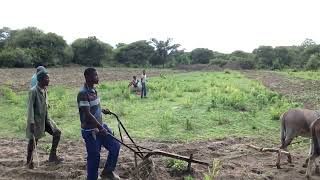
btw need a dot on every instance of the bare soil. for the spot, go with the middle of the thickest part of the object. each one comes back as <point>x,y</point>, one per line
<point>299,90</point>
<point>238,161</point>
<point>19,79</point>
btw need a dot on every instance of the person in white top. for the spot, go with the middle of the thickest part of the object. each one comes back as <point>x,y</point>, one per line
<point>144,84</point>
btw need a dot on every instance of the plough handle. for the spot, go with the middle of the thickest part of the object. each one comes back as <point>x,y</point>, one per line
<point>120,125</point>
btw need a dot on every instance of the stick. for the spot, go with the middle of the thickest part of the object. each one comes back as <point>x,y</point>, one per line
<point>35,149</point>
<point>268,149</point>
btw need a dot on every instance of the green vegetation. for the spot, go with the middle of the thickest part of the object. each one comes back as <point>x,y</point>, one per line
<point>310,75</point>
<point>31,46</point>
<point>45,147</point>
<point>177,165</point>
<point>183,107</point>
<point>307,79</point>
<point>214,171</point>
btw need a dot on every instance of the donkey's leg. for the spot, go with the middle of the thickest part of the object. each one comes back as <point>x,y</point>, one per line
<point>317,166</point>
<point>289,137</point>
<point>278,159</point>
<point>288,156</point>
<point>305,164</point>
<point>310,152</point>
<point>309,167</point>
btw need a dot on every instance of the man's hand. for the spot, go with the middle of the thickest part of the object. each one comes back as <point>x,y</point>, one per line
<point>106,111</point>
<point>103,132</point>
<point>32,128</point>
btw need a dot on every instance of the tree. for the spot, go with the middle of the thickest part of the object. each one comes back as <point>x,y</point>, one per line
<point>308,51</point>
<point>119,45</point>
<point>5,33</point>
<point>45,48</point>
<point>163,49</point>
<point>294,53</point>
<point>181,57</point>
<point>308,47</point>
<point>138,53</point>
<point>29,37</point>
<point>313,62</point>
<point>282,55</point>
<point>264,55</point>
<point>15,57</point>
<point>239,53</point>
<point>91,51</point>
<point>67,55</point>
<point>201,55</point>
<point>308,42</point>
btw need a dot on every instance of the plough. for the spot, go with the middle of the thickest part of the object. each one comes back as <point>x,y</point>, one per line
<point>144,153</point>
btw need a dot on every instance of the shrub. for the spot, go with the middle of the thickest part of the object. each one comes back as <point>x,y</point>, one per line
<point>246,63</point>
<point>313,62</point>
<point>15,58</point>
<point>176,165</point>
<point>9,94</point>
<point>214,172</point>
<point>218,62</point>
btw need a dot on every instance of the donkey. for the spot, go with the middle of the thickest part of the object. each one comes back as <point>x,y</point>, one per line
<point>295,122</point>
<point>315,152</point>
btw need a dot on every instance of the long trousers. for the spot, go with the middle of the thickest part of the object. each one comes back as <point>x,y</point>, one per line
<point>93,146</point>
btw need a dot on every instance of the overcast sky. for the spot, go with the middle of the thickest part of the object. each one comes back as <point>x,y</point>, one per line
<point>220,25</point>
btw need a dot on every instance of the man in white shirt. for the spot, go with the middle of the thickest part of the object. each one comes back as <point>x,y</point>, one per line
<point>144,84</point>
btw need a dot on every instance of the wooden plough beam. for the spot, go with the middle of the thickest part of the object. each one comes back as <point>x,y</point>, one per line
<point>268,149</point>
<point>145,153</point>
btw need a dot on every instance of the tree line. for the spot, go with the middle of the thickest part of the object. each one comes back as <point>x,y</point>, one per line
<point>30,46</point>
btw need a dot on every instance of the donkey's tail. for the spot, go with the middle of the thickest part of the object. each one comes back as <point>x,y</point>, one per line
<point>283,129</point>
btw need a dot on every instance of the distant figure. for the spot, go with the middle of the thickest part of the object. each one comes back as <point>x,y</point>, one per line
<point>143,84</point>
<point>134,84</point>
<point>34,80</point>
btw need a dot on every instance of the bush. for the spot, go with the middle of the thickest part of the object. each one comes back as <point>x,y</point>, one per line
<point>9,94</point>
<point>67,55</point>
<point>91,51</point>
<point>218,62</point>
<point>276,64</point>
<point>176,165</point>
<point>15,58</point>
<point>246,63</point>
<point>201,55</point>
<point>313,62</point>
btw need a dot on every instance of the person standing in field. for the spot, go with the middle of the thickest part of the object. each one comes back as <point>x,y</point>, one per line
<point>38,120</point>
<point>143,84</point>
<point>94,132</point>
<point>34,80</point>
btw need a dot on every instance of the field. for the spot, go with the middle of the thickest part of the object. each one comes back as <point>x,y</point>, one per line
<point>211,114</point>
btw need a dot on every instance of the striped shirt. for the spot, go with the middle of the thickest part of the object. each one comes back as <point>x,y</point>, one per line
<point>89,98</point>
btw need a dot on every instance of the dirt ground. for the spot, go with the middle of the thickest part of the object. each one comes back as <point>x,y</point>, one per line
<point>19,79</point>
<point>238,160</point>
<point>299,90</point>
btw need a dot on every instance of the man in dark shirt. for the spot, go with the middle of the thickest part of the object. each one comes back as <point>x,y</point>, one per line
<point>39,121</point>
<point>94,132</point>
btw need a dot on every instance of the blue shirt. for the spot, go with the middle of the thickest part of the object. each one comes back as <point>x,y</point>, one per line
<point>89,98</point>
<point>34,80</point>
